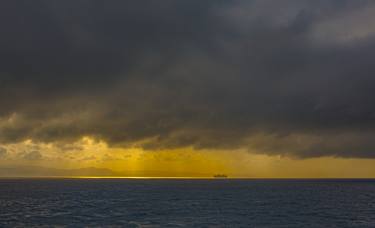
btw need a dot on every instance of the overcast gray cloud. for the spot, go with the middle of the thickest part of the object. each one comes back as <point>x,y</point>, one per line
<point>291,77</point>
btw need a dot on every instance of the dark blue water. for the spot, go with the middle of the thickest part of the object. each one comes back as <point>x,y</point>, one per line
<point>187,203</point>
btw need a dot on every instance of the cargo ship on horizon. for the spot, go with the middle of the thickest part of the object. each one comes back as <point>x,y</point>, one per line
<point>220,176</point>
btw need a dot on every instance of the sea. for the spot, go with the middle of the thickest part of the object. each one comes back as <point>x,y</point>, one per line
<point>186,203</point>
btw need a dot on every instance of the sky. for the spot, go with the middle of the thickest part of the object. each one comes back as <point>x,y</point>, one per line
<point>250,88</point>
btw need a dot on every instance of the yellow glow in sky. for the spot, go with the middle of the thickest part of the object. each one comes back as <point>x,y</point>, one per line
<point>181,162</point>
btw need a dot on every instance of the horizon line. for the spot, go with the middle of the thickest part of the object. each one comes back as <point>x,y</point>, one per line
<point>187,177</point>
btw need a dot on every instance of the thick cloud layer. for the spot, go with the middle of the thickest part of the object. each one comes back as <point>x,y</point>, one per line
<point>294,77</point>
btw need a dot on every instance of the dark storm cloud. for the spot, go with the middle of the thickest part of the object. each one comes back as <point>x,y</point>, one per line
<point>291,77</point>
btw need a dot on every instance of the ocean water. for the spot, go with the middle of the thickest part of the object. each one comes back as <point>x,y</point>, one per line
<point>186,203</point>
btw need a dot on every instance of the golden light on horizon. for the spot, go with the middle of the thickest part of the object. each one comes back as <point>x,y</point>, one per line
<point>185,162</point>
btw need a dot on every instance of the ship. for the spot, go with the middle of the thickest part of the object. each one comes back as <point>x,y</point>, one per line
<point>220,176</point>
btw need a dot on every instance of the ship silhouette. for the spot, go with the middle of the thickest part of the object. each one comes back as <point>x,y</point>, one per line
<point>220,176</point>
